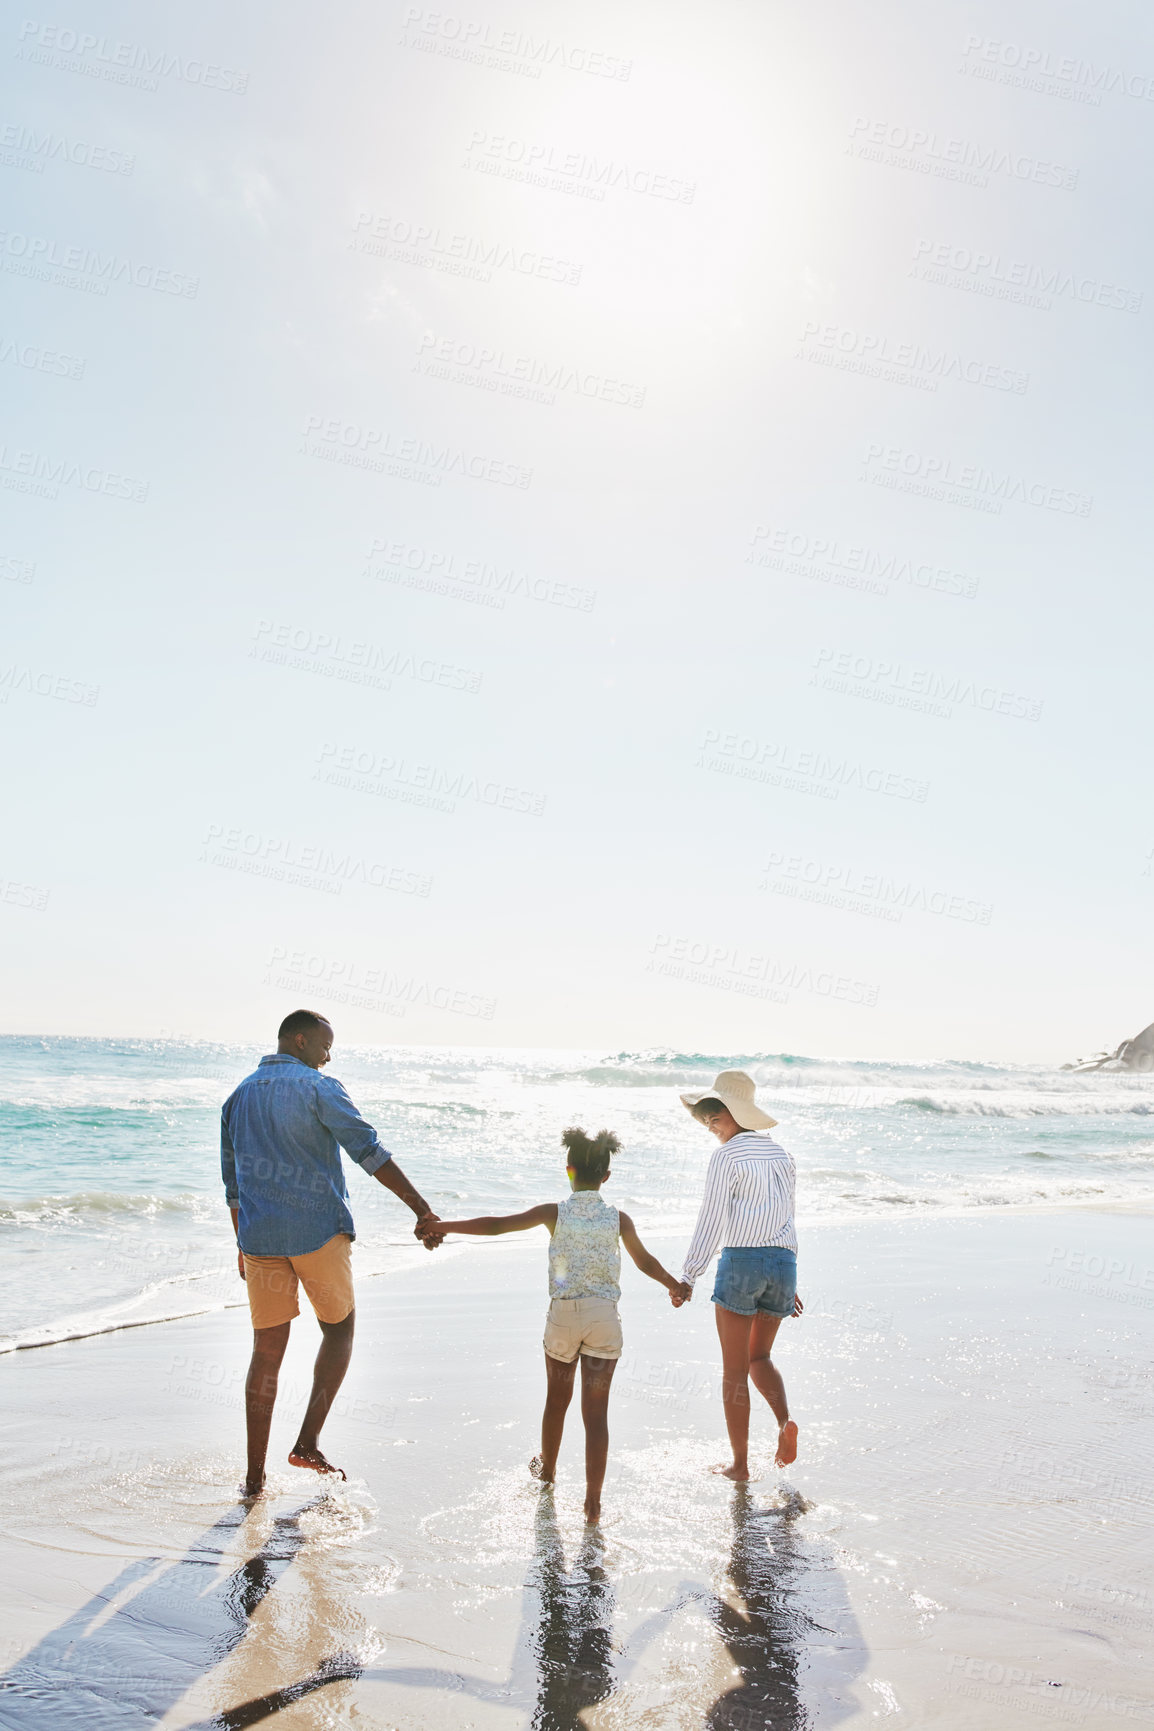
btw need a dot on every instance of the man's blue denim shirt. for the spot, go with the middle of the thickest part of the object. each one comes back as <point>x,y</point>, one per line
<point>280,1159</point>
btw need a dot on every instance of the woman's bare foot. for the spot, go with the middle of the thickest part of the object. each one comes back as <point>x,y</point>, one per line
<point>314,1460</point>
<point>739,1474</point>
<point>786,1444</point>
<point>537,1468</point>
<point>592,1513</point>
<point>252,1487</point>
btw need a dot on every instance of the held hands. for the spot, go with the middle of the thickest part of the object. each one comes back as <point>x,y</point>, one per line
<point>680,1293</point>
<point>798,1306</point>
<point>426,1230</point>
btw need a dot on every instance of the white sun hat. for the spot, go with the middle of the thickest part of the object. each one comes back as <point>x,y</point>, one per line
<point>736,1090</point>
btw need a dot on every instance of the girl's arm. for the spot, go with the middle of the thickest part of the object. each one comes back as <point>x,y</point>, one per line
<point>648,1264</point>
<point>489,1225</point>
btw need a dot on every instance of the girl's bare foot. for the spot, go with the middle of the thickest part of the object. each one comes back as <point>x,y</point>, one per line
<point>740,1475</point>
<point>537,1468</point>
<point>786,1444</point>
<point>315,1460</point>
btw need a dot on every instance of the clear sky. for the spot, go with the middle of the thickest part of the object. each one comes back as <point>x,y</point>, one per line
<point>611,526</point>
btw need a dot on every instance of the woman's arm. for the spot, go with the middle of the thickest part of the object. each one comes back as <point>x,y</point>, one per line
<point>711,1219</point>
<point>490,1225</point>
<point>648,1264</point>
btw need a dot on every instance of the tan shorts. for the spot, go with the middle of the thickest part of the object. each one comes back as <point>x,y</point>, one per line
<point>326,1275</point>
<point>590,1326</point>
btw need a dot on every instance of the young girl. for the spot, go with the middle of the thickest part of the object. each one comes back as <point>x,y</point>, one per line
<point>584,1274</point>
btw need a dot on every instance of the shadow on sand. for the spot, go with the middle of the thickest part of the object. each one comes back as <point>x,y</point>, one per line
<point>765,1622</point>
<point>127,1656</point>
<point>781,1604</point>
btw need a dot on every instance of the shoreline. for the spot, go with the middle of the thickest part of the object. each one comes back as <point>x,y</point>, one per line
<point>914,1217</point>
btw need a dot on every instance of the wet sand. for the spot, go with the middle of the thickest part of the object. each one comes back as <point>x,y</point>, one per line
<point>964,1540</point>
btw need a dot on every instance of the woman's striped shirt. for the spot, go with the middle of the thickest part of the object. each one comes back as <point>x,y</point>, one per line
<point>748,1200</point>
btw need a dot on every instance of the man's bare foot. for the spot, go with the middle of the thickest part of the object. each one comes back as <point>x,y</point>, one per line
<point>315,1460</point>
<point>252,1486</point>
<point>739,1475</point>
<point>592,1513</point>
<point>786,1444</point>
<point>537,1468</point>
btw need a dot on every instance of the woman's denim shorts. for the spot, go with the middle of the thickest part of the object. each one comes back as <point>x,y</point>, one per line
<point>749,1280</point>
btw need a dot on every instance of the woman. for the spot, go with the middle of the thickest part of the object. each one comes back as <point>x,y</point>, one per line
<point>747,1208</point>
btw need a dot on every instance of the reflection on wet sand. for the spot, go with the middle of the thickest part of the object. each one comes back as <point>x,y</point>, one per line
<point>764,1625</point>
<point>573,1641</point>
<point>567,1629</point>
<point>153,1636</point>
<point>116,1669</point>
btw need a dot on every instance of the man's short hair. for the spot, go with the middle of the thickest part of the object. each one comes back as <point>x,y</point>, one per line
<point>299,1022</point>
<point>705,1109</point>
<point>589,1155</point>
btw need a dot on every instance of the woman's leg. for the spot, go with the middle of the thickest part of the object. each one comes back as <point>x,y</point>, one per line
<point>733,1331</point>
<point>766,1379</point>
<point>596,1380</point>
<point>558,1394</point>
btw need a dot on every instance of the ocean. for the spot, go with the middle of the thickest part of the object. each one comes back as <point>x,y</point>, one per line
<point>112,1211</point>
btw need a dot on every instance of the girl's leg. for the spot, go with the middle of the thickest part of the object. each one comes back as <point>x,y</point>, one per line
<point>766,1379</point>
<point>558,1394</point>
<point>596,1380</point>
<point>734,1333</point>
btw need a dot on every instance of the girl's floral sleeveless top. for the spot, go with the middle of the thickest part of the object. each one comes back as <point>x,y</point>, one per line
<point>584,1252</point>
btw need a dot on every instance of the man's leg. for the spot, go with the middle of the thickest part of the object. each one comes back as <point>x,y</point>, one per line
<point>336,1349</point>
<point>558,1394</point>
<point>766,1379</point>
<point>596,1380</point>
<point>733,1331</point>
<point>268,1349</point>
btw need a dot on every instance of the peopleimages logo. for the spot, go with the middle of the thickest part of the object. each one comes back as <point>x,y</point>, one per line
<point>319,865</point>
<point>1038,69</point>
<point>591,176</point>
<point>937,477</point>
<point>416,783</point>
<point>484,44</point>
<point>512,375</point>
<point>921,688</point>
<point>24,147</point>
<point>37,360</point>
<point>926,152</point>
<point>35,472</point>
<point>383,452</point>
<point>469,579</point>
<point>120,62</point>
<point>733,969</point>
<point>778,764</point>
<point>988,273</point>
<point>372,988</point>
<point>872,893</point>
<point>426,244</point>
<point>79,267</point>
<point>850,564</point>
<point>876,356</point>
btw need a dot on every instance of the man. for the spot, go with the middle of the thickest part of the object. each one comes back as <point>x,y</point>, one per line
<point>285,1187</point>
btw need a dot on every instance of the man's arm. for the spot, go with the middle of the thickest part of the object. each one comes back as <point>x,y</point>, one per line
<point>235,1212</point>
<point>678,1290</point>
<point>491,1225</point>
<point>231,1193</point>
<point>391,1176</point>
<point>362,1144</point>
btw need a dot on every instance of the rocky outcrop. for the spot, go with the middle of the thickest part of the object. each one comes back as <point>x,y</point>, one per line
<point>1136,1054</point>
